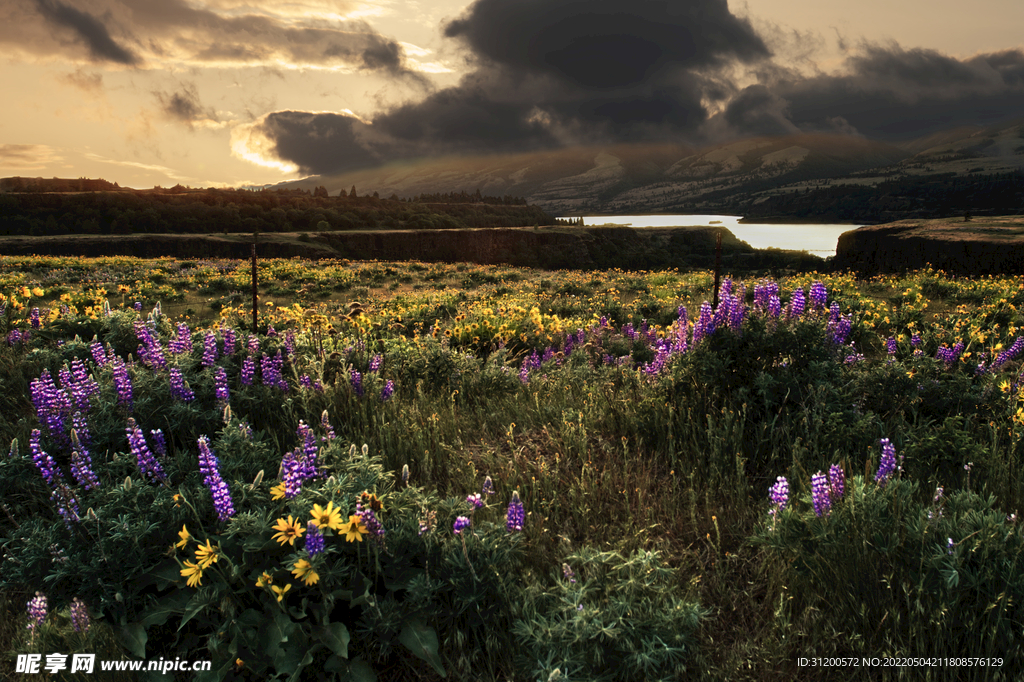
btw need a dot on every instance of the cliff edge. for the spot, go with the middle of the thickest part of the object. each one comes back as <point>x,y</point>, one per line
<point>983,246</point>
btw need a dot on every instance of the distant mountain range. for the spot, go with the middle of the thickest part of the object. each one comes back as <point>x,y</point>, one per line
<point>625,179</point>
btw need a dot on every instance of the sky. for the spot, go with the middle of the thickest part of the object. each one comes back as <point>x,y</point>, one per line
<point>210,93</point>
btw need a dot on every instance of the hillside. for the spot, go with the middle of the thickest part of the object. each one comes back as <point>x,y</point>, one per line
<point>735,176</point>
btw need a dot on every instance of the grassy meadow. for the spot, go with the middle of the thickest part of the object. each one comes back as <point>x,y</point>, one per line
<point>421,471</point>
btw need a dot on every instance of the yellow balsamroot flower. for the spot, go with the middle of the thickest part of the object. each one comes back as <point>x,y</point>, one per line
<point>264,580</point>
<point>38,292</point>
<point>193,572</point>
<point>280,591</point>
<point>304,571</point>
<point>354,530</point>
<point>326,518</point>
<point>183,534</point>
<point>206,555</point>
<point>288,531</point>
<point>277,492</point>
<point>25,293</point>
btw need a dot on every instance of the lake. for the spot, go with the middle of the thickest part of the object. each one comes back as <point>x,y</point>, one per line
<point>817,239</point>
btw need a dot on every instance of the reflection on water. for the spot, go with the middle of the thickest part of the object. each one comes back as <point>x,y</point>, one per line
<point>818,239</point>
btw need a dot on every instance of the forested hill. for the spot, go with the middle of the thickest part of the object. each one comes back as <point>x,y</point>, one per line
<point>56,207</point>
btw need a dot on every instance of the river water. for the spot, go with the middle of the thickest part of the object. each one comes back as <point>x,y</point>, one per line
<point>817,239</point>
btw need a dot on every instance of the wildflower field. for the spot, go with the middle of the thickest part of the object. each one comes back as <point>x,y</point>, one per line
<point>422,471</point>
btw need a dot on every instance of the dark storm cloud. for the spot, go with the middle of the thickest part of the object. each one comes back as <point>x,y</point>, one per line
<point>557,72</point>
<point>317,142</point>
<point>88,29</point>
<point>184,106</point>
<point>605,43</point>
<point>889,94</point>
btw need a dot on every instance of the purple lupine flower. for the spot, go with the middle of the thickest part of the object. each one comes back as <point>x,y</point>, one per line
<point>14,337</point>
<point>248,368</point>
<point>79,615</point>
<point>179,391</point>
<point>370,520</point>
<point>549,353</point>
<point>159,442</point>
<point>81,464</point>
<point>949,356</point>
<point>271,332</point>
<point>209,467</point>
<point>209,349</point>
<point>230,341</point>
<point>138,306</point>
<point>221,386</point>
<point>524,372</point>
<point>309,451</point>
<point>950,545</point>
<point>356,379</point>
<point>46,465</point>
<point>723,311</point>
<point>387,391</point>
<point>516,515</point>
<point>292,473</point>
<point>704,325</point>
<point>33,318</point>
<point>326,424</point>
<point>254,345</point>
<point>819,295</point>
<point>737,311</point>
<point>36,611</point>
<point>461,523</point>
<point>567,572</point>
<point>79,424</point>
<point>890,345</point>
<point>99,355</point>
<point>376,362</point>
<point>836,482</point>
<point>797,303</point>
<point>147,463</point>
<point>820,494</point>
<point>289,343</point>
<point>150,351</point>
<point>475,500</point>
<point>887,465</point>
<point>305,381</point>
<point>67,505</point>
<point>774,306</point>
<point>488,487</point>
<point>779,494</point>
<point>314,539</point>
<point>182,343</point>
<point>1009,354</point>
<point>122,382</point>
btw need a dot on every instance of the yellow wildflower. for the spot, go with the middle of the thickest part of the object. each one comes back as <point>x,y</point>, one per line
<point>280,591</point>
<point>183,534</point>
<point>194,574</point>
<point>326,518</point>
<point>264,580</point>
<point>304,571</point>
<point>354,530</point>
<point>206,555</point>
<point>288,531</point>
<point>277,492</point>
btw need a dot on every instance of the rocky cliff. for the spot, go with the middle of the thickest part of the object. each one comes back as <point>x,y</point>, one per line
<point>990,245</point>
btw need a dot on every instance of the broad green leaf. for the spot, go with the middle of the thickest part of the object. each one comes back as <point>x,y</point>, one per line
<point>421,640</point>
<point>168,606</point>
<point>133,637</point>
<point>306,660</point>
<point>360,671</point>
<point>195,605</point>
<point>336,638</point>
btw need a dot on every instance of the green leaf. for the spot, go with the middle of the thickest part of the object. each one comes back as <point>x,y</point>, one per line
<point>360,671</point>
<point>168,606</point>
<point>421,640</point>
<point>306,660</point>
<point>274,632</point>
<point>133,637</point>
<point>166,575</point>
<point>336,638</point>
<point>195,605</point>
